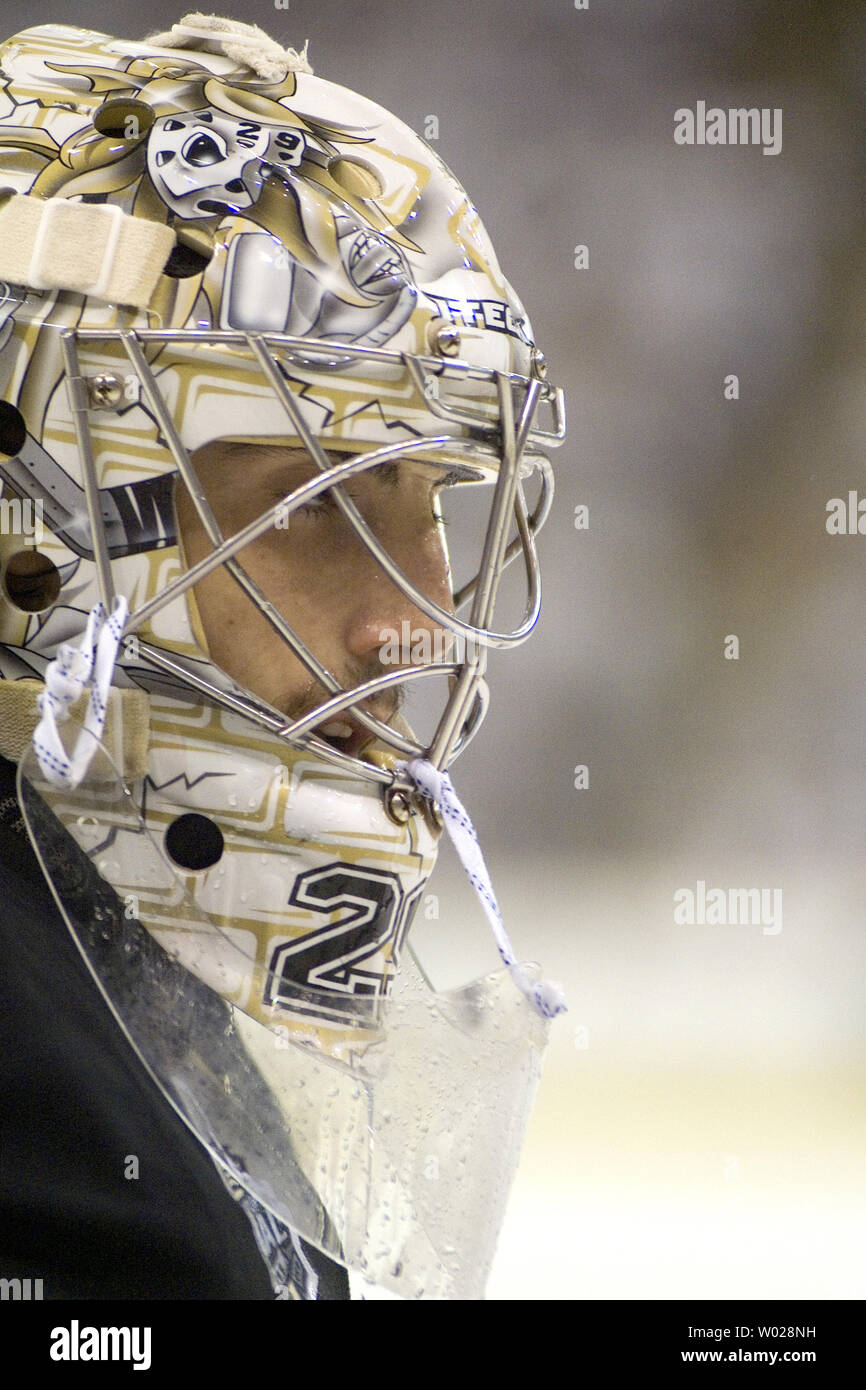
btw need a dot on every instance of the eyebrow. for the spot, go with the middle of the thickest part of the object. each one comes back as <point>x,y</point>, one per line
<point>387,473</point>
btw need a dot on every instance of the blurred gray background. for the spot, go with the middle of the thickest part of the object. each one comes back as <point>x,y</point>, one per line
<point>700,1128</point>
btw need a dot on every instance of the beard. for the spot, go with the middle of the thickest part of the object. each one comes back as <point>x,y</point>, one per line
<point>314,694</point>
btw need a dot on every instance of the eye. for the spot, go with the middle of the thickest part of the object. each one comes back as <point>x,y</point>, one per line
<point>436,501</point>
<point>202,150</point>
<point>316,509</point>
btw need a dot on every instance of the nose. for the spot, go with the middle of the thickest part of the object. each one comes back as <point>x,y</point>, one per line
<point>380,614</point>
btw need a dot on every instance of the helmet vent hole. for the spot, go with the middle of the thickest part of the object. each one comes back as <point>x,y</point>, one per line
<point>31,581</point>
<point>13,430</point>
<point>124,120</point>
<point>194,842</point>
<point>185,261</point>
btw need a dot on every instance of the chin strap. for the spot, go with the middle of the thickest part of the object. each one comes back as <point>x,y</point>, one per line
<point>546,996</point>
<point>72,670</point>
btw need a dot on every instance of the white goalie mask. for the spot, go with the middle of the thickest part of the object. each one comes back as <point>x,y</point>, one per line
<point>201,257</point>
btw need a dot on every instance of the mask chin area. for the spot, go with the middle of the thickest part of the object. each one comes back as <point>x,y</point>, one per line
<point>392,1151</point>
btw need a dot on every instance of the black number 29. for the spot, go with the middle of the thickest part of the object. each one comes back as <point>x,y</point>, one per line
<point>374,911</point>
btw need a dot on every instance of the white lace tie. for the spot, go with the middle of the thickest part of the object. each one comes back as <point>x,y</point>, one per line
<point>66,677</point>
<point>546,996</point>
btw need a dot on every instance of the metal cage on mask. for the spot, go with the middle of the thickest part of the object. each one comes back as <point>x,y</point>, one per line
<point>500,434</point>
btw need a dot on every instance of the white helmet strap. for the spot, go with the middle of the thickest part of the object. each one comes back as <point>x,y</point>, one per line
<point>91,248</point>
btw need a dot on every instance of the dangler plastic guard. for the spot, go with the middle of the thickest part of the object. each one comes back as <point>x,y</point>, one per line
<point>396,1160</point>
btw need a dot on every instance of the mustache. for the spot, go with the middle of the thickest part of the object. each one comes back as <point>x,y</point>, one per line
<point>314,694</point>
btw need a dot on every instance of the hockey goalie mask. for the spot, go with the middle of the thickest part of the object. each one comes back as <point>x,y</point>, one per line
<point>237,298</point>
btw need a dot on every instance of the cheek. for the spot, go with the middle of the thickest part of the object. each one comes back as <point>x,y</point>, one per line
<point>299,575</point>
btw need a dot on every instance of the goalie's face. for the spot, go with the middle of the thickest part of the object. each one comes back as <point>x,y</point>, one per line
<point>313,567</point>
